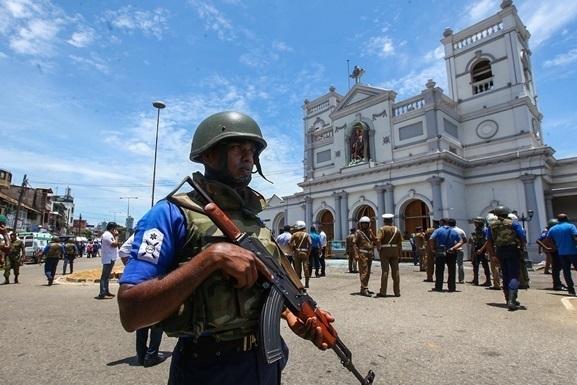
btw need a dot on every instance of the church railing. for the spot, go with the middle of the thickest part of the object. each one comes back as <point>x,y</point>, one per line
<point>404,108</point>
<point>482,86</point>
<point>318,107</point>
<point>469,40</point>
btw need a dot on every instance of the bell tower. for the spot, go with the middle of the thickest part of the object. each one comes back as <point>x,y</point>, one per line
<point>490,77</point>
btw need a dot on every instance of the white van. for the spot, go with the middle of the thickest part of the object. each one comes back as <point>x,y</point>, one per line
<point>34,244</point>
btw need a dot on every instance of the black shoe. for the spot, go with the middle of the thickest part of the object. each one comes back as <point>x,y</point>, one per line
<point>571,291</point>
<point>435,289</point>
<point>380,295</point>
<point>154,360</point>
<point>323,275</point>
<point>428,280</point>
<point>365,293</point>
<point>102,296</point>
<point>110,295</point>
<point>558,288</point>
<point>50,281</point>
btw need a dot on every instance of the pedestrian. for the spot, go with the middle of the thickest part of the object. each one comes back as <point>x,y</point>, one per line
<point>548,246</point>
<point>14,258</point>
<point>429,250</point>
<point>460,255</point>
<point>419,238</point>
<point>523,257</point>
<point>349,241</point>
<point>478,252</point>
<point>494,263</point>
<point>445,241</point>
<point>300,246</point>
<point>363,247</point>
<point>70,253</point>
<point>53,252</point>
<point>4,239</point>
<point>314,256</point>
<point>323,251</point>
<point>504,237</point>
<point>109,256</point>
<point>283,241</point>
<point>166,275</point>
<point>147,354</point>
<point>389,243</point>
<point>564,234</point>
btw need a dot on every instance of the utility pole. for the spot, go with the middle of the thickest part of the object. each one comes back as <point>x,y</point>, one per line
<point>20,197</point>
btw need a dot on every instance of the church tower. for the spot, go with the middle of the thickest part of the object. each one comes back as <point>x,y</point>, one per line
<point>490,77</point>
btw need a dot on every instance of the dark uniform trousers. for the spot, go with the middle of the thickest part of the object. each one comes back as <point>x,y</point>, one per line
<point>450,259</point>
<point>192,366</point>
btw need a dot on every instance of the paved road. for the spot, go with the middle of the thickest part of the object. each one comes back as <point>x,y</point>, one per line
<point>62,335</point>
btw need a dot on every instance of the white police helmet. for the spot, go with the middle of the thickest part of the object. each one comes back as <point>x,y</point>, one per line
<point>365,220</point>
<point>513,217</point>
<point>388,216</point>
<point>300,225</point>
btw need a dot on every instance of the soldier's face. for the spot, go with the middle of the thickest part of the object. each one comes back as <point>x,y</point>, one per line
<point>240,159</point>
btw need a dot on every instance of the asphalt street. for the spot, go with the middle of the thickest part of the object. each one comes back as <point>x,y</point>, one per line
<point>62,335</point>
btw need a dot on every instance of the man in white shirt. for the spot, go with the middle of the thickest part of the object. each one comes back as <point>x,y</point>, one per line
<point>323,253</point>
<point>283,241</point>
<point>109,252</point>
<point>461,270</point>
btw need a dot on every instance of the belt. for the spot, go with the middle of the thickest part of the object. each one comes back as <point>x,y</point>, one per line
<point>365,251</point>
<point>388,246</point>
<point>303,250</point>
<point>208,348</point>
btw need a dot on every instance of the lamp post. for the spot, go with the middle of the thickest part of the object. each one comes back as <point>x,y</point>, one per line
<point>129,221</point>
<point>527,218</point>
<point>159,106</point>
<point>128,206</point>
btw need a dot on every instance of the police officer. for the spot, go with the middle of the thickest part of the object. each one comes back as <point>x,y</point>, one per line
<point>300,246</point>
<point>430,252</point>
<point>181,268</point>
<point>478,253</point>
<point>389,242</point>
<point>504,236</point>
<point>419,238</point>
<point>53,252</point>
<point>13,258</point>
<point>363,246</point>
<point>446,242</point>
<point>548,246</point>
<point>70,253</point>
<point>350,251</point>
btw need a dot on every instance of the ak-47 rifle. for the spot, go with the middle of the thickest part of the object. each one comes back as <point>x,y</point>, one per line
<point>283,292</point>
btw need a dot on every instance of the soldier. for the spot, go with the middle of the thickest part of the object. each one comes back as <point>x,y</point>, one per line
<point>300,246</point>
<point>4,239</point>
<point>350,252</point>
<point>182,268</point>
<point>389,242</point>
<point>503,236</point>
<point>478,253</point>
<point>430,253</point>
<point>14,258</point>
<point>71,252</point>
<point>493,261</point>
<point>419,238</point>
<point>53,252</point>
<point>445,241</point>
<point>524,273</point>
<point>363,248</point>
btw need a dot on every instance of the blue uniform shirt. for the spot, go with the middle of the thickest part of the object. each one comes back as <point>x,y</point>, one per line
<point>564,236</point>
<point>158,235</point>
<point>315,240</point>
<point>446,236</point>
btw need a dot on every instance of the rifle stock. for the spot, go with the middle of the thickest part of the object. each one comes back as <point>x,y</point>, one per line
<point>283,293</point>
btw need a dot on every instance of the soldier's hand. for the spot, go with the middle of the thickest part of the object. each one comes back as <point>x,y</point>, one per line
<point>238,263</point>
<point>309,330</point>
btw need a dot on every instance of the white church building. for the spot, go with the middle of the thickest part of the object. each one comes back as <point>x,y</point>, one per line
<point>456,154</point>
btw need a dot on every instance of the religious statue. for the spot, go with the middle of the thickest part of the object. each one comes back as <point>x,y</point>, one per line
<point>358,142</point>
<point>357,73</point>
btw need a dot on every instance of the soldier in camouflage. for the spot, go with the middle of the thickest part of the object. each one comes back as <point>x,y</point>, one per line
<point>53,252</point>
<point>478,252</point>
<point>14,258</point>
<point>205,290</point>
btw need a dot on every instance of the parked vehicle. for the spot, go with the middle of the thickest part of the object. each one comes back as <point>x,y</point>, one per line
<point>34,244</point>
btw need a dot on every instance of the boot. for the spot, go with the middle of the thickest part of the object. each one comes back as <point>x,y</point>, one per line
<point>306,283</point>
<point>365,293</point>
<point>16,279</point>
<point>512,300</point>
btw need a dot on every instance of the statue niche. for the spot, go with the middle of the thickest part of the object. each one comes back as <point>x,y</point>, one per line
<point>359,143</point>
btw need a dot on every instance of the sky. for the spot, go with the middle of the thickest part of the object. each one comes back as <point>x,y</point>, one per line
<point>78,79</point>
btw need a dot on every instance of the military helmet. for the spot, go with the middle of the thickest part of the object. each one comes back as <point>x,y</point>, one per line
<point>365,219</point>
<point>552,222</point>
<point>55,238</point>
<point>478,220</point>
<point>225,125</point>
<point>300,225</point>
<point>501,211</point>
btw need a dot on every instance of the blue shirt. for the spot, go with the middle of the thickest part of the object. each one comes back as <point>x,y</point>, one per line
<point>158,235</point>
<point>563,234</point>
<point>446,237</point>
<point>315,240</point>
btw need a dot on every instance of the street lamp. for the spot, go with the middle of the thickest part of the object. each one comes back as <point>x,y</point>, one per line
<point>159,106</point>
<point>527,218</point>
<point>128,208</point>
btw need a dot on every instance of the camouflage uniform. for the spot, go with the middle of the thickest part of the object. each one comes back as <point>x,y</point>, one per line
<point>363,246</point>
<point>300,245</point>
<point>390,242</point>
<point>479,256</point>
<point>13,260</point>
<point>430,255</point>
<point>420,249</point>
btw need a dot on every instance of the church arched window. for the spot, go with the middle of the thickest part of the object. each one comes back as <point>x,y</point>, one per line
<point>482,77</point>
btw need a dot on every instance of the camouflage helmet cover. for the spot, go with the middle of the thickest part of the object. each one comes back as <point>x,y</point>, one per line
<point>501,211</point>
<point>225,125</point>
<point>478,220</point>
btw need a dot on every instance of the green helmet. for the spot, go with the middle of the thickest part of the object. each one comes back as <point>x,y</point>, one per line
<point>478,220</point>
<point>225,125</point>
<point>501,211</point>
<point>552,222</point>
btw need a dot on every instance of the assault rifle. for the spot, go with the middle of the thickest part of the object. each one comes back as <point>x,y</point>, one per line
<point>283,292</point>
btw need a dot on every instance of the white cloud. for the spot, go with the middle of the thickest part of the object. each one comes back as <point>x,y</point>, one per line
<point>562,59</point>
<point>381,46</point>
<point>545,19</point>
<point>82,38</point>
<point>281,46</point>
<point>214,20</point>
<point>36,37</point>
<point>413,83</point>
<point>479,10</point>
<point>93,62</point>
<point>3,55</point>
<point>152,23</point>
<point>436,54</point>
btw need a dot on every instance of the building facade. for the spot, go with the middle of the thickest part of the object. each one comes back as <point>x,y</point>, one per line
<point>456,154</point>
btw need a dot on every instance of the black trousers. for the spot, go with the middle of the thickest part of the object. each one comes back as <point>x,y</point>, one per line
<point>450,259</point>
<point>481,259</point>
